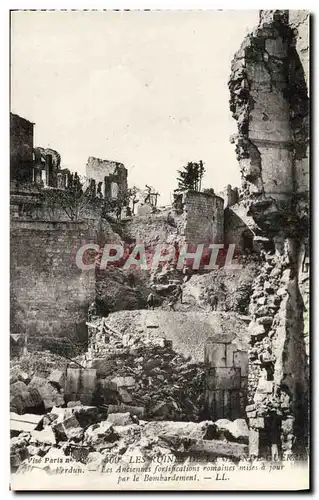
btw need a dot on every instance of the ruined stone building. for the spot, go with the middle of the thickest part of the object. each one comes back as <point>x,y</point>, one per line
<point>204,214</point>
<point>110,175</point>
<point>21,148</point>
<point>269,87</point>
<point>49,293</point>
<point>267,215</point>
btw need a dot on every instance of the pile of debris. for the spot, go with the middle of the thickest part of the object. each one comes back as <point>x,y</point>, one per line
<point>144,370</point>
<point>267,308</point>
<point>91,436</point>
<point>35,385</point>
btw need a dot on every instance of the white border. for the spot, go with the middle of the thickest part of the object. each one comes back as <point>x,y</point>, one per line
<point>4,198</point>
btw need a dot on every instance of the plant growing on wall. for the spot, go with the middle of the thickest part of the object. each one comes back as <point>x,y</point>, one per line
<point>190,177</point>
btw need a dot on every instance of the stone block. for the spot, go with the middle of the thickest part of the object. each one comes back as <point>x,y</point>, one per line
<point>125,395</point>
<point>276,47</point>
<point>257,423</point>
<point>265,386</point>
<point>48,393</point>
<point>46,436</point>
<point>265,320</point>
<point>215,354</point>
<point>223,379</point>
<point>230,350</point>
<point>123,382</point>
<point>120,418</point>
<point>219,449</point>
<point>241,361</point>
<point>99,435</point>
<point>139,411</point>
<point>57,378</point>
<point>24,398</point>
<point>25,423</point>
<point>255,329</point>
<point>253,442</point>
<point>104,367</point>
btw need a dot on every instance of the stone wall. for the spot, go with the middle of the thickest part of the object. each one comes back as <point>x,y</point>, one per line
<point>49,294</point>
<point>239,228</point>
<point>203,218</point>
<point>230,196</point>
<point>21,148</point>
<point>112,174</point>
<point>269,100</point>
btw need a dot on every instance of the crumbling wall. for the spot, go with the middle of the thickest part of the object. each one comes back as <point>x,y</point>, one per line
<point>239,228</point>
<point>112,174</point>
<point>203,218</point>
<point>230,196</point>
<point>269,100</point>
<point>21,148</point>
<point>50,295</point>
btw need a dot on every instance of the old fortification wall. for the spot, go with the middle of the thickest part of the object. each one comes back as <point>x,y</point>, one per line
<point>204,218</point>
<point>269,100</point>
<point>50,295</point>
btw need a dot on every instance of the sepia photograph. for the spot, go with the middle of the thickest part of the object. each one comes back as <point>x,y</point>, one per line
<point>159,250</point>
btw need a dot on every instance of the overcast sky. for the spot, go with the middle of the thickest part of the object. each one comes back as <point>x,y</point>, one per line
<point>148,89</point>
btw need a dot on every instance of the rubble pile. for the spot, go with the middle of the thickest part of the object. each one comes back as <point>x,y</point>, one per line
<point>269,291</point>
<point>37,363</point>
<point>224,289</point>
<point>142,370</point>
<point>36,391</point>
<point>92,436</point>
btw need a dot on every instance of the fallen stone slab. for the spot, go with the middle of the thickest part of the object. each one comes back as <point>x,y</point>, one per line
<point>73,429</point>
<point>120,418</point>
<point>67,428</point>
<point>180,435</point>
<point>17,375</point>
<point>47,391</point>
<point>236,430</point>
<point>123,382</point>
<point>72,404</point>
<point>219,449</point>
<point>24,399</point>
<point>25,423</point>
<point>162,409</point>
<point>46,436</point>
<point>139,411</point>
<point>125,395</point>
<point>100,435</point>
<point>88,415</point>
<point>57,378</point>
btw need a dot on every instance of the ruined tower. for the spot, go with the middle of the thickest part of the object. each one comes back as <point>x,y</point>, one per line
<point>269,100</point>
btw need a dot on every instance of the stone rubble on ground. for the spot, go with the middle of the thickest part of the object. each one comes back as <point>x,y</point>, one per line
<point>122,434</point>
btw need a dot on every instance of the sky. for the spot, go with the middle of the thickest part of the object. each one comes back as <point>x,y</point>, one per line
<point>148,89</point>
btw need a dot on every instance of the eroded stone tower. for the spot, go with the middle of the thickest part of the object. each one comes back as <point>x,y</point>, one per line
<point>269,100</point>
